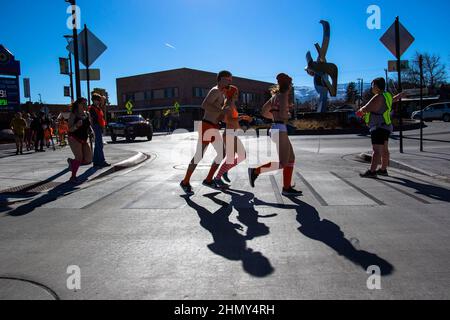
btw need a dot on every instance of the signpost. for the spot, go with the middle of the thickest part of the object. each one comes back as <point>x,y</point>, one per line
<point>129,107</point>
<point>397,40</point>
<point>89,50</point>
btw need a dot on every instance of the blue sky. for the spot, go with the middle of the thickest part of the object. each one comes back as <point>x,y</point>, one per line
<point>252,38</point>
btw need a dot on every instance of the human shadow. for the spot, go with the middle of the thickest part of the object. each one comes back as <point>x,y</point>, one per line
<point>52,195</point>
<point>330,234</point>
<point>242,202</point>
<point>431,191</point>
<point>228,242</point>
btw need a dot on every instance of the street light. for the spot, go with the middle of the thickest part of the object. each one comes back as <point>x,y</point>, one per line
<point>75,45</point>
<point>69,38</point>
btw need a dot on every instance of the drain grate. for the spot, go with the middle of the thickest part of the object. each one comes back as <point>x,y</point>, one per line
<point>31,188</point>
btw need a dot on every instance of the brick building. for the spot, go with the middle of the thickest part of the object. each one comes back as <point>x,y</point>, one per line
<point>154,93</point>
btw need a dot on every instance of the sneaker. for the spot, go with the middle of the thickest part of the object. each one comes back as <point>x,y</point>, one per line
<point>382,173</point>
<point>291,192</point>
<point>74,180</point>
<point>220,184</point>
<point>226,178</point>
<point>210,184</point>
<point>187,188</point>
<point>252,176</point>
<point>368,174</point>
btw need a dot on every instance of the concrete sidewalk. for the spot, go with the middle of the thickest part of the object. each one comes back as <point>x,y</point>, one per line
<point>27,175</point>
<point>431,163</point>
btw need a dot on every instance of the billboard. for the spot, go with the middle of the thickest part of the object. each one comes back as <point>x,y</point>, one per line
<point>9,94</point>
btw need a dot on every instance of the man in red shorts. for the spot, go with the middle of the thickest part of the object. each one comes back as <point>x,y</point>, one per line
<point>209,131</point>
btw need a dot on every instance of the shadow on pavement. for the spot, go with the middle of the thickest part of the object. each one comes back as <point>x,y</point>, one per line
<point>228,242</point>
<point>430,191</point>
<point>330,234</point>
<point>53,194</point>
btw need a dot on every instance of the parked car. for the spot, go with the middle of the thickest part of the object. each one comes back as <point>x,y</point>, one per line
<point>437,111</point>
<point>130,127</point>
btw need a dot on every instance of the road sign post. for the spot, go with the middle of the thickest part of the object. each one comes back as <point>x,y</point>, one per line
<point>421,102</point>
<point>397,40</point>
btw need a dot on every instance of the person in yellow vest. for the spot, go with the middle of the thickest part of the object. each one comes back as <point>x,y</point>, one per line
<point>377,116</point>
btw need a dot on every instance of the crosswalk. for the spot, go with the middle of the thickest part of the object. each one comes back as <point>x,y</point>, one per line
<point>321,188</point>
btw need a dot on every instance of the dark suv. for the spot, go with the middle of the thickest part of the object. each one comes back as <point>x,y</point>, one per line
<point>131,127</point>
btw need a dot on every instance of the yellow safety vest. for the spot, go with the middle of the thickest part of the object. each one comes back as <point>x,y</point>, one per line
<point>387,113</point>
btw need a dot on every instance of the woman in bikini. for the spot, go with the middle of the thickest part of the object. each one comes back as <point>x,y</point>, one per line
<point>277,109</point>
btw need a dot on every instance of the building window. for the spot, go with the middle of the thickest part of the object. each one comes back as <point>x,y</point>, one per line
<point>129,97</point>
<point>148,95</point>
<point>248,97</point>
<point>139,96</point>
<point>171,93</point>
<point>200,92</point>
<point>158,94</point>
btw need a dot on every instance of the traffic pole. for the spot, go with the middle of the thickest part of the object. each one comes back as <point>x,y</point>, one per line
<point>400,89</point>
<point>87,65</point>
<point>421,102</point>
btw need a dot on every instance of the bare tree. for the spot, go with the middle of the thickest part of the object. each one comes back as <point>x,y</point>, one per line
<point>434,71</point>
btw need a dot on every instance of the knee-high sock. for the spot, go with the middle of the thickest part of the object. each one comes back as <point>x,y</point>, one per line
<point>287,175</point>
<point>75,166</point>
<point>213,170</point>
<point>227,166</point>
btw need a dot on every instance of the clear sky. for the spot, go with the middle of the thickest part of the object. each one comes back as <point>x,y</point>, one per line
<point>252,38</point>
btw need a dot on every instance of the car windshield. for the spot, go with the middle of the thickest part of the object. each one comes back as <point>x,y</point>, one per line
<point>131,119</point>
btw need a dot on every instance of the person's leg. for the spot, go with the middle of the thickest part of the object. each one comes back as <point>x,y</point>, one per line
<point>87,154</point>
<point>218,145</point>
<point>376,156</point>
<point>16,139</point>
<point>21,138</point>
<point>99,157</point>
<point>385,156</point>
<point>289,165</point>
<point>238,155</point>
<point>201,149</point>
<point>77,149</point>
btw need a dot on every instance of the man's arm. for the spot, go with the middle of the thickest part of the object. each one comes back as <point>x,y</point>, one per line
<point>401,95</point>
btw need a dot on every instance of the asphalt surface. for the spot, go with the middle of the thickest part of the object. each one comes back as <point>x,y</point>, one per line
<point>135,236</point>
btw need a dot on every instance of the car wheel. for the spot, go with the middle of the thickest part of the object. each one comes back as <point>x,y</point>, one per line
<point>130,138</point>
<point>446,117</point>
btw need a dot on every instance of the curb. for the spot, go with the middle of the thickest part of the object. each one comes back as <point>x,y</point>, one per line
<point>366,157</point>
<point>135,160</point>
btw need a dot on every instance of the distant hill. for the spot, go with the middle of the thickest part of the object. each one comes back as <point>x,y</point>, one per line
<point>306,93</point>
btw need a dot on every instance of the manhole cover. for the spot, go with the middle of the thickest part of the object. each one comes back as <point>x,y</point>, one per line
<point>21,289</point>
<point>31,188</point>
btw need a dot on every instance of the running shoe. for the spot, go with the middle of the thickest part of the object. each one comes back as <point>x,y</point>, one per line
<point>226,178</point>
<point>74,180</point>
<point>382,173</point>
<point>291,192</point>
<point>368,174</point>
<point>252,176</point>
<point>187,188</point>
<point>220,184</point>
<point>210,184</point>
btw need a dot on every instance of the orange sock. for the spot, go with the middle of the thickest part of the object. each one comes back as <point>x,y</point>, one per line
<point>212,171</point>
<point>287,175</point>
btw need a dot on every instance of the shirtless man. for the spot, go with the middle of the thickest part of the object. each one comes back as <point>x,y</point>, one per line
<point>209,131</point>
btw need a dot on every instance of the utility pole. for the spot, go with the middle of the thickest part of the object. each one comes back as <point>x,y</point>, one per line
<point>75,44</point>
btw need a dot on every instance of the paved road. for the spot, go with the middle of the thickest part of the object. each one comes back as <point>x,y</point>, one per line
<point>134,236</point>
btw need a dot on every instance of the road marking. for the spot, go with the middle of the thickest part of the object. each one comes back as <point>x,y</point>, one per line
<point>379,202</point>
<point>403,192</point>
<point>276,190</point>
<point>319,198</point>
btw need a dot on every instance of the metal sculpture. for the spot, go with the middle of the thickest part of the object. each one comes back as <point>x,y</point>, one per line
<point>322,71</point>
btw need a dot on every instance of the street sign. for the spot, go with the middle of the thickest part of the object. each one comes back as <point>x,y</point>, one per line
<point>392,65</point>
<point>9,93</point>
<point>94,75</point>
<point>129,107</point>
<point>64,66</point>
<point>95,47</point>
<point>406,39</point>
<point>26,87</point>
<point>67,91</point>
<point>8,65</point>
